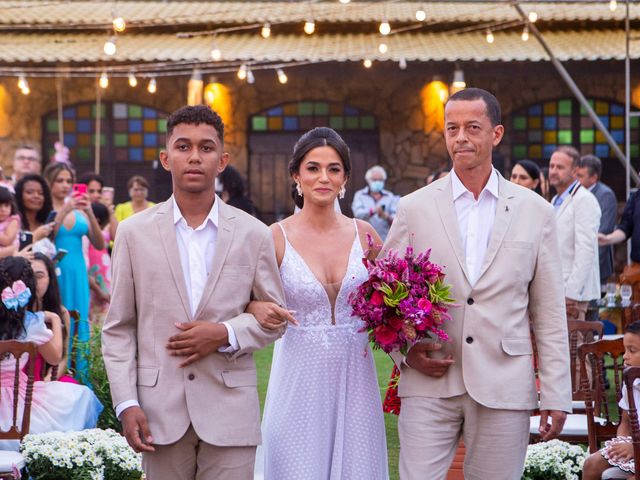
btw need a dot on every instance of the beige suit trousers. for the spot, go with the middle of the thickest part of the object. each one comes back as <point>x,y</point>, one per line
<point>192,459</point>
<point>430,428</point>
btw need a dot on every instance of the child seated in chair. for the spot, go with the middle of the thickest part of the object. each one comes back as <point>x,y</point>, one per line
<point>56,406</point>
<point>615,460</point>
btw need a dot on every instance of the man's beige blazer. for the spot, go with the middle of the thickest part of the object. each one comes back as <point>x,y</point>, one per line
<point>216,394</point>
<point>521,276</point>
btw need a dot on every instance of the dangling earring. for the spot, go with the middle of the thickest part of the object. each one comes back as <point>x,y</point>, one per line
<point>342,192</point>
<point>298,189</point>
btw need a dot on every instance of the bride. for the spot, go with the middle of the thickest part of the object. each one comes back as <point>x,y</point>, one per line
<point>323,416</point>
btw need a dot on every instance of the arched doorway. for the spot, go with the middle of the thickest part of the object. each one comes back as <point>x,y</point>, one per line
<point>273,133</point>
<point>131,137</point>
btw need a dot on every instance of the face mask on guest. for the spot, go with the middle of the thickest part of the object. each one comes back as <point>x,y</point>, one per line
<point>376,185</point>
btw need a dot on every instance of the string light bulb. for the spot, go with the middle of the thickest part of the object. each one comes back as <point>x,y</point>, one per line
<point>533,17</point>
<point>242,72</point>
<point>385,28</point>
<point>383,48</point>
<point>110,46</point>
<point>282,77</point>
<point>309,27</point>
<point>344,2</point>
<point>266,30</point>
<point>402,63</point>
<point>152,87</point>
<point>490,37</point>
<point>458,79</point>
<point>421,15</point>
<point>613,5</point>
<point>133,81</point>
<point>119,25</point>
<point>22,82</point>
<point>104,80</point>
<point>525,33</point>
<point>26,90</point>
<point>250,78</point>
<point>367,63</point>
<point>216,53</point>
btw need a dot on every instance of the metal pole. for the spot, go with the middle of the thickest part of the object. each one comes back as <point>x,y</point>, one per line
<point>96,166</point>
<point>60,116</point>
<point>578,94</point>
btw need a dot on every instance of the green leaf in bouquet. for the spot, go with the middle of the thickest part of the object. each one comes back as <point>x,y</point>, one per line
<point>440,292</point>
<point>393,297</point>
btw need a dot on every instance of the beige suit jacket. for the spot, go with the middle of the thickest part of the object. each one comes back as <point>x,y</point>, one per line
<point>521,275</point>
<point>578,220</point>
<point>216,394</point>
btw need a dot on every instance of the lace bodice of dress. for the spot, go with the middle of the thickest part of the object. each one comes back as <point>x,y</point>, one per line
<point>312,300</point>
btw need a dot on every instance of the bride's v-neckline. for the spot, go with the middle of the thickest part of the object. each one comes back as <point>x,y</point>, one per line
<point>332,305</point>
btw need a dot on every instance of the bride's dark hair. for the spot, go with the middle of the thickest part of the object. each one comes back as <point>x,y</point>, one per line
<point>12,269</point>
<point>318,137</point>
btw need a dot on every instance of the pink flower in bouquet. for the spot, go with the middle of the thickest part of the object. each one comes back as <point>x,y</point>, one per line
<point>425,305</point>
<point>377,298</point>
<point>385,335</point>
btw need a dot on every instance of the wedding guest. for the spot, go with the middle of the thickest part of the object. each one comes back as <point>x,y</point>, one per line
<point>231,187</point>
<point>26,161</point>
<point>74,220</point>
<point>9,224</point>
<point>375,204</point>
<point>33,199</point>
<point>619,452</point>
<point>56,406</point>
<point>323,417</point>
<point>481,385</point>
<point>47,299</point>
<point>95,186</point>
<point>99,265</point>
<point>527,174</point>
<point>138,189</point>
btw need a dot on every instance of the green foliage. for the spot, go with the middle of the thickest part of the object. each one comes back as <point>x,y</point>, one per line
<point>392,298</point>
<point>440,292</point>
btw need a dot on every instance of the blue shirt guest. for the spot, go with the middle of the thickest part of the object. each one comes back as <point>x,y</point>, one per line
<point>375,204</point>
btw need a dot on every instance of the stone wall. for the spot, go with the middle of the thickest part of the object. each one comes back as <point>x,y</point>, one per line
<point>391,94</point>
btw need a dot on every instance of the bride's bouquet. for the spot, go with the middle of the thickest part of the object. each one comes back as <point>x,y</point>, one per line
<point>403,301</point>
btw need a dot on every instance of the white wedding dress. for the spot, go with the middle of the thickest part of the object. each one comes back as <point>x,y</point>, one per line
<point>323,416</point>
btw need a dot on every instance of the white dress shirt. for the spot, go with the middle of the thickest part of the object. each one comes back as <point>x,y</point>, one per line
<point>196,247</point>
<point>475,220</point>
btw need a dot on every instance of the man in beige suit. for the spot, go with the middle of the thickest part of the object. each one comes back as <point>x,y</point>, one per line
<point>176,342</point>
<point>498,243</point>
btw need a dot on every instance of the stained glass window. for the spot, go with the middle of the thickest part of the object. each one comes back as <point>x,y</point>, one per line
<point>129,132</point>
<point>300,116</point>
<point>539,129</point>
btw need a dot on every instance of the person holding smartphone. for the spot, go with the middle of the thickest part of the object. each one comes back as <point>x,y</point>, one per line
<point>33,199</point>
<point>74,220</point>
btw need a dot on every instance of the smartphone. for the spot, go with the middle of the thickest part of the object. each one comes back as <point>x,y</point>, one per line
<point>79,188</point>
<point>51,217</point>
<point>107,195</point>
<point>59,255</point>
<point>26,239</point>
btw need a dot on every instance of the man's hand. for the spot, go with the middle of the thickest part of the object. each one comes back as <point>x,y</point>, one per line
<point>197,340</point>
<point>571,307</point>
<point>603,239</point>
<point>136,429</point>
<point>418,358</point>
<point>549,432</point>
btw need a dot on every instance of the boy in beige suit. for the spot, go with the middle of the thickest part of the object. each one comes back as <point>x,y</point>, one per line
<point>176,342</point>
<point>498,243</point>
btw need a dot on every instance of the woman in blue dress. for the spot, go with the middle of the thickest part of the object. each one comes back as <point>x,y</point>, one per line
<point>73,221</point>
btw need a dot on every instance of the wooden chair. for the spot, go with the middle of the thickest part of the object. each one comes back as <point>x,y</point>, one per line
<point>578,331</point>
<point>630,375</point>
<point>602,421</point>
<point>12,460</point>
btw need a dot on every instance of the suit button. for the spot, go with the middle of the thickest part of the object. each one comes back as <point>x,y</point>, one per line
<point>470,301</point>
<point>191,376</point>
<point>469,339</point>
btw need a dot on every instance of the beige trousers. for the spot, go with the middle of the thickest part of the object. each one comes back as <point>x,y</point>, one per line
<point>192,459</point>
<point>430,428</point>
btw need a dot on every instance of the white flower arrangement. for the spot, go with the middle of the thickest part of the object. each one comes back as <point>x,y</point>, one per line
<point>86,455</point>
<point>554,460</point>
